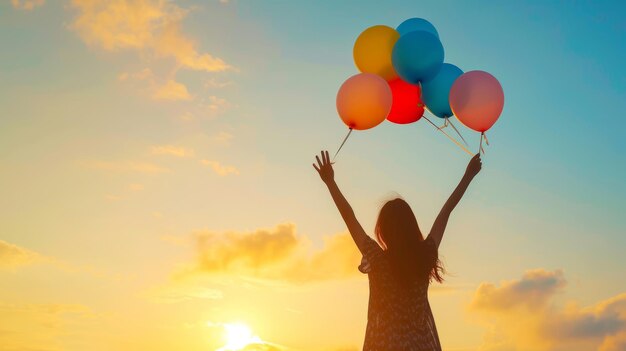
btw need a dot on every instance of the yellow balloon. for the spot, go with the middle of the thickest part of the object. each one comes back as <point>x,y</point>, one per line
<point>372,51</point>
<point>364,101</point>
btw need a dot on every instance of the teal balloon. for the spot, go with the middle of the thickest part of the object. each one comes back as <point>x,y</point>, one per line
<point>436,91</point>
<point>417,56</point>
<point>415,24</point>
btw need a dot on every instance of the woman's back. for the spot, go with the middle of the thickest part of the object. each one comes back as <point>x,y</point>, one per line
<point>399,315</point>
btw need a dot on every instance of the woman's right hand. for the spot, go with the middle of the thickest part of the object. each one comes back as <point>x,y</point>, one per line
<point>324,167</point>
<point>474,166</point>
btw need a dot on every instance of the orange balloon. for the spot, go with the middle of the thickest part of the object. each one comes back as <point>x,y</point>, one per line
<point>372,51</point>
<point>364,101</point>
<point>476,99</point>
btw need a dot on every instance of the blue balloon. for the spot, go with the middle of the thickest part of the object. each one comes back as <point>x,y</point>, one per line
<point>414,24</point>
<point>417,56</point>
<point>436,91</point>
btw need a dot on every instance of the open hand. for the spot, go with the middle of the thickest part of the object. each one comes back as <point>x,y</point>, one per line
<point>474,165</point>
<point>324,167</point>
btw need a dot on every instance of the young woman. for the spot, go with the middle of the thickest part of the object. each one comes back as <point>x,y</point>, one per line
<point>401,268</point>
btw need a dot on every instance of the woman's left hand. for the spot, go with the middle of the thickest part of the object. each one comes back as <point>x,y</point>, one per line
<point>474,166</point>
<point>324,167</point>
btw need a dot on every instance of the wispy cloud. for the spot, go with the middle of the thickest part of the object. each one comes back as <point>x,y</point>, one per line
<point>152,28</point>
<point>172,91</point>
<point>186,117</point>
<point>27,4</point>
<point>214,83</point>
<point>222,170</point>
<point>222,138</point>
<point>148,25</point>
<point>39,326</point>
<point>13,256</point>
<point>125,166</point>
<point>523,314</point>
<point>214,105</point>
<point>156,88</point>
<point>172,150</point>
<point>180,291</point>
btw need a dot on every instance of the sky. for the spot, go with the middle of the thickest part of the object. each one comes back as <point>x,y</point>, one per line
<point>157,188</point>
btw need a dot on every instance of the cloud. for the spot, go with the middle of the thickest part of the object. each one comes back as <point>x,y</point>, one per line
<point>172,91</point>
<point>245,251</point>
<point>153,26</point>
<point>126,166</point>
<point>178,151</point>
<point>214,83</point>
<point>13,256</point>
<point>180,291</point>
<point>222,138</point>
<point>524,315</point>
<point>156,88</point>
<point>261,347</point>
<point>38,326</point>
<point>172,43</point>
<point>532,291</point>
<point>186,117</point>
<point>277,254</point>
<point>213,106</point>
<point>617,343</point>
<point>220,169</point>
<point>144,74</point>
<point>27,4</point>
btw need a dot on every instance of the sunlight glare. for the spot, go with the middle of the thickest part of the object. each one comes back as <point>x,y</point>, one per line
<point>238,336</point>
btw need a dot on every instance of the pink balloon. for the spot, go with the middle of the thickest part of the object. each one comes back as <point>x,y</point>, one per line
<point>364,101</point>
<point>477,100</point>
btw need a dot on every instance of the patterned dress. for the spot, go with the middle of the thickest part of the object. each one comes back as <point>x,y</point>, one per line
<point>398,319</point>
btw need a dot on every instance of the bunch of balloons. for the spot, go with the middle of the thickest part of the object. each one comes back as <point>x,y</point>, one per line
<point>403,71</point>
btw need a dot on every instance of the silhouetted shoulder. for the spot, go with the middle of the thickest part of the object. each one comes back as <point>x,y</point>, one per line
<point>372,255</point>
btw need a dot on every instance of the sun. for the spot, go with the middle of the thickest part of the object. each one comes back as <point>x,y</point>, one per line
<point>238,336</point>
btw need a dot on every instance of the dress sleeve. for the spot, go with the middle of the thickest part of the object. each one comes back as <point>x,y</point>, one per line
<point>372,254</point>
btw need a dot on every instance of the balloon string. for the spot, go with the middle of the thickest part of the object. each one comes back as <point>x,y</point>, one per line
<point>456,130</point>
<point>449,137</point>
<point>480,147</point>
<point>445,123</point>
<point>486,140</point>
<point>343,142</point>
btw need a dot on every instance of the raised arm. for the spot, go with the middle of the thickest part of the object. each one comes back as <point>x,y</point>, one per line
<point>325,169</point>
<point>436,232</point>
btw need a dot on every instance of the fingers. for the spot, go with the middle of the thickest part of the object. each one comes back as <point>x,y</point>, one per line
<point>316,168</point>
<point>324,161</point>
<point>325,158</point>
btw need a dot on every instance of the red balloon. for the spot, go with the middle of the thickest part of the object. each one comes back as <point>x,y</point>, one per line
<point>407,106</point>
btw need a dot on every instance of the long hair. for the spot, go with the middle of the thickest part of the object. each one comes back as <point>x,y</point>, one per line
<point>400,236</point>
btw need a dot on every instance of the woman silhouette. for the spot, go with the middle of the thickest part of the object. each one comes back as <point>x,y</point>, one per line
<point>399,317</point>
